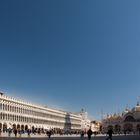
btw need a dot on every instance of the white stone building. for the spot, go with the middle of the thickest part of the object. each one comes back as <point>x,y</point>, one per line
<point>19,114</point>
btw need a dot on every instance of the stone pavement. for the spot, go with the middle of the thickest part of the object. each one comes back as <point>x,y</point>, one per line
<point>130,137</point>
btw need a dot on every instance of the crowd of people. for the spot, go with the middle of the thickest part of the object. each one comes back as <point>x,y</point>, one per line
<point>49,132</point>
<point>37,132</point>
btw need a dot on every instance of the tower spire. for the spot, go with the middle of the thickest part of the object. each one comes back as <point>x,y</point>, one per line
<point>138,103</point>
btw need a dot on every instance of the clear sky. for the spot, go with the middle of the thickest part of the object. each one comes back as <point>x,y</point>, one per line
<point>71,54</point>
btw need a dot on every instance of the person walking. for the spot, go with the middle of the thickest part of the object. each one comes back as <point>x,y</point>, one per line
<point>89,133</point>
<point>109,132</point>
<point>28,132</point>
<point>9,132</point>
<point>82,134</point>
<point>49,133</point>
<point>15,132</point>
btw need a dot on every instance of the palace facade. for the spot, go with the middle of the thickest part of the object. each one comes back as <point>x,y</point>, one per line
<point>127,121</point>
<point>18,114</point>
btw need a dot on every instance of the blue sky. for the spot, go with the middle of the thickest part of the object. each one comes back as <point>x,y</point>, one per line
<point>71,54</point>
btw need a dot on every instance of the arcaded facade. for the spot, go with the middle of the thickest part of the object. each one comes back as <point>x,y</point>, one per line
<point>18,114</point>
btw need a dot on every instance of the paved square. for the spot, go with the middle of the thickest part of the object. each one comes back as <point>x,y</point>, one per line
<point>77,138</point>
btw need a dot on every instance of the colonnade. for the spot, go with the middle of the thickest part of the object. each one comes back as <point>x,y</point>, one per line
<point>15,113</point>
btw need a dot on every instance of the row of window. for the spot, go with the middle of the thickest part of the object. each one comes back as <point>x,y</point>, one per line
<point>17,118</point>
<point>15,109</point>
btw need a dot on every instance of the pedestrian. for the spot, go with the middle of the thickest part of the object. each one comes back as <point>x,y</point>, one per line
<point>28,132</point>
<point>0,131</point>
<point>49,133</point>
<point>109,132</point>
<point>82,134</point>
<point>89,133</point>
<point>125,132</point>
<point>15,132</point>
<point>9,132</point>
<point>19,132</point>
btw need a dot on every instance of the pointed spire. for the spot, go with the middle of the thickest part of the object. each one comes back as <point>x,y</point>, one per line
<point>138,104</point>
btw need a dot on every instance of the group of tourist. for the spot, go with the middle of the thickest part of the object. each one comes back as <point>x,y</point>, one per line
<point>37,132</point>
<point>18,132</point>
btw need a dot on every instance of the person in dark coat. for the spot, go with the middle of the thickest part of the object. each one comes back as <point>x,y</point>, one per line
<point>49,133</point>
<point>82,134</point>
<point>15,132</point>
<point>89,133</point>
<point>109,132</point>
